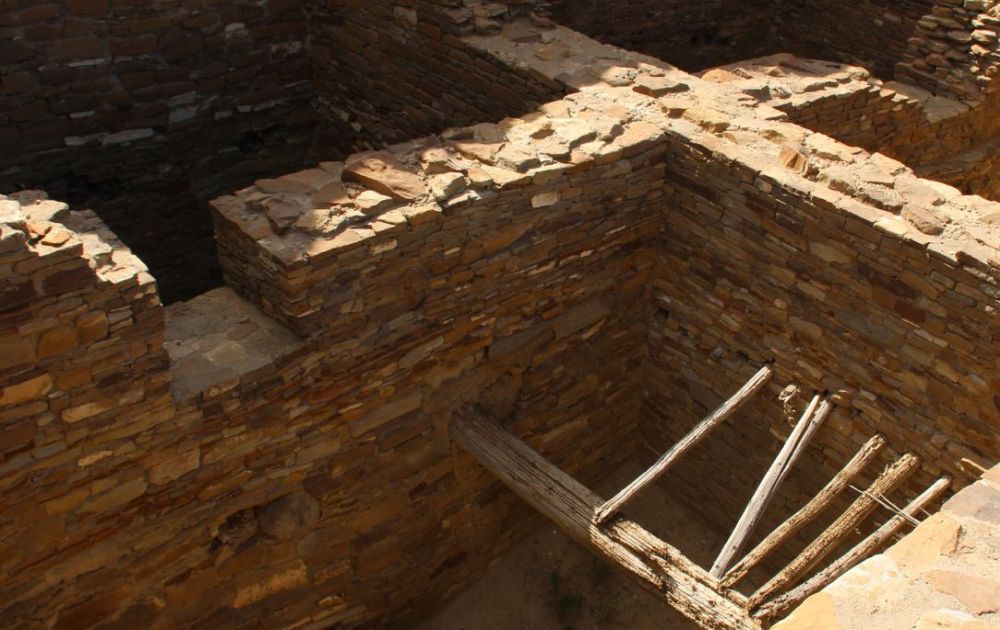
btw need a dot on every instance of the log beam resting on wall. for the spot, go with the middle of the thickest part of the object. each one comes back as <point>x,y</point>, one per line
<point>856,554</point>
<point>689,441</point>
<point>658,566</point>
<point>839,530</point>
<point>812,418</point>
<point>807,513</point>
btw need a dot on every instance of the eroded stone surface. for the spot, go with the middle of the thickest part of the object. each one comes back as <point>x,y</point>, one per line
<point>219,337</point>
<point>600,267</point>
<point>944,574</point>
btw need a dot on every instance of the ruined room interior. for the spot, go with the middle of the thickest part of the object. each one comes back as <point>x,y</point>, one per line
<point>452,313</point>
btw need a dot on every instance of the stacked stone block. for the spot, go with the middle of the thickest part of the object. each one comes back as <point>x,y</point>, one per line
<point>324,488</point>
<point>873,34</point>
<point>606,267</point>
<point>693,36</point>
<point>783,243</point>
<point>954,50</point>
<point>944,570</point>
<point>82,374</point>
<point>840,304</point>
<point>940,138</point>
<point>144,112</point>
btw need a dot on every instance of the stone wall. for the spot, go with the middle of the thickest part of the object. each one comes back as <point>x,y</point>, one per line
<point>873,34</point>
<point>604,268</point>
<point>943,574</point>
<point>820,214</point>
<point>940,138</point>
<point>692,35</point>
<point>322,487</point>
<point>948,47</point>
<point>870,33</point>
<point>387,72</point>
<point>751,271</point>
<point>144,113</point>
<point>82,374</point>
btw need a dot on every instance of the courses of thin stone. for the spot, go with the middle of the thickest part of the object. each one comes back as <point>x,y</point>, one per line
<point>603,268</point>
<point>940,138</point>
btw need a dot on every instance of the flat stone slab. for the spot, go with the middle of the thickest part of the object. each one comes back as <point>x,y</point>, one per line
<point>219,337</point>
<point>980,501</point>
<point>945,574</point>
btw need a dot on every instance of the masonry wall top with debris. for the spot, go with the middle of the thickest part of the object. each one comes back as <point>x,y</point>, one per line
<point>595,270</point>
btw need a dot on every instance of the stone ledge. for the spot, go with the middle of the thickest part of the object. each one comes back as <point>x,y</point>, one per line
<point>290,227</point>
<point>218,338</point>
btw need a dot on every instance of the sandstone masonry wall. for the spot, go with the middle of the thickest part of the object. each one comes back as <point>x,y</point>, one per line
<point>82,374</point>
<point>582,273</point>
<point>387,72</point>
<point>944,570</point>
<point>144,112</point>
<point>870,33</point>
<point>323,487</point>
<point>821,236</point>
<point>954,50</point>
<point>691,35</point>
<point>839,303</point>
<point>873,34</point>
<point>940,138</point>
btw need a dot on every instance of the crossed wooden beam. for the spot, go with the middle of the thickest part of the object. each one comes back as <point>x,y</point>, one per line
<point>708,597</point>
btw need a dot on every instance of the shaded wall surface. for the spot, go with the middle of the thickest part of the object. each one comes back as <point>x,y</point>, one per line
<point>145,112</point>
<point>692,35</point>
<point>700,35</point>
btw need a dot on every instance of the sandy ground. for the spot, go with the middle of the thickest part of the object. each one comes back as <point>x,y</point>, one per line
<point>550,582</point>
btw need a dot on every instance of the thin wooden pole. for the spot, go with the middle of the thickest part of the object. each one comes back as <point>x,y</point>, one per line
<point>570,505</point>
<point>838,530</point>
<point>795,445</point>
<point>710,422</point>
<point>858,553</point>
<point>807,513</point>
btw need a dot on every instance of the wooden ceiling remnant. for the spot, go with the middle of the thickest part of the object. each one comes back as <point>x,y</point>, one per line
<point>708,597</point>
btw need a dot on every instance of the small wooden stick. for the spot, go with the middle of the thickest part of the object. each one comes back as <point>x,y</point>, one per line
<point>838,530</point>
<point>859,552</point>
<point>794,446</point>
<point>717,417</point>
<point>807,513</point>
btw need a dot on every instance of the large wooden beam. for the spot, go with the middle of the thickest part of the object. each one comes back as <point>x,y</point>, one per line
<point>689,441</point>
<point>859,552</point>
<point>814,416</point>
<point>807,513</point>
<point>839,530</point>
<point>658,566</point>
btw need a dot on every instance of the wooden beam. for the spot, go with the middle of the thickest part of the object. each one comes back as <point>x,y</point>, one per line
<point>807,513</point>
<point>795,445</point>
<point>840,529</point>
<point>858,553</point>
<point>570,505</point>
<point>689,441</point>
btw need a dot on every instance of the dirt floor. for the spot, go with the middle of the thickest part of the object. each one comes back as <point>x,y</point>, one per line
<point>548,582</point>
